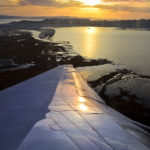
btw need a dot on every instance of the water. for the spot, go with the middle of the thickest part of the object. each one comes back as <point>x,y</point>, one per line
<point>128,47</point>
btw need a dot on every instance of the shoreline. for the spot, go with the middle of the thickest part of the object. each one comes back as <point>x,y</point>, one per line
<point>23,49</point>
<point>77,22</point>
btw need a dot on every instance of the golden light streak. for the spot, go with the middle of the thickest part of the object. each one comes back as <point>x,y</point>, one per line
<point>81,99</point>
<point>83,107</point>
<point>78,85</point>
<point>91,30</point>
<point>89,42</point>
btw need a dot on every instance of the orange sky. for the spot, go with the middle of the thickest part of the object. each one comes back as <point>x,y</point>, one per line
<point>99,9</point>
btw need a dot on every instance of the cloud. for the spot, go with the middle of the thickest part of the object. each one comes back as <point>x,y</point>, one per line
<point>51,3</point>
<point>121,7</point>
<point>8,3</point>
<point>142,6</point>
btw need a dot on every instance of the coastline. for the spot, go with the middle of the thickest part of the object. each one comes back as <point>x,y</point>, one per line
<point>23,49</point>
<point>45,55</point>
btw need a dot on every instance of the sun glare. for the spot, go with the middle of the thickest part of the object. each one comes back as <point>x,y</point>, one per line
<point>83,107</point>
<point>81,99</point>
<point>92,2</point>
<point>91,30</point>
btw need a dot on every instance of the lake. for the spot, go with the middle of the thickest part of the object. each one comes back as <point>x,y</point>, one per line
<point>128,47</point>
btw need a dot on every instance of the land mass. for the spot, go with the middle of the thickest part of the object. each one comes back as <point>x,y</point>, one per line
<point>69,22</point>
<point>22,50</point>
<point>23,57</point>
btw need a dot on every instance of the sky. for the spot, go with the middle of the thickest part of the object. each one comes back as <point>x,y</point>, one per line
<point>96,9</point>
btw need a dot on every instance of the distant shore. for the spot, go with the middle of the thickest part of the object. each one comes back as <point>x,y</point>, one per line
<point>142,24</point>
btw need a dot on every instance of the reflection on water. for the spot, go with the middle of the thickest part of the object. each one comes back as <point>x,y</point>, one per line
<point>128,47</point>
<point>89,48</point>
<point>92,73</point>
<point>91,30</point>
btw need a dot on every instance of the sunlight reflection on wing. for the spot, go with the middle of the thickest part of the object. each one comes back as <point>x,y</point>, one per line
<point>83,107</point>
<point>81,99</point>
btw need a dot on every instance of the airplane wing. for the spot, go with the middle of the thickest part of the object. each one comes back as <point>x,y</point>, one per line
<point>57,110</point>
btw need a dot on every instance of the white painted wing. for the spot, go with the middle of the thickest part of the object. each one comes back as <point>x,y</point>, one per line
<point>78,119</point>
